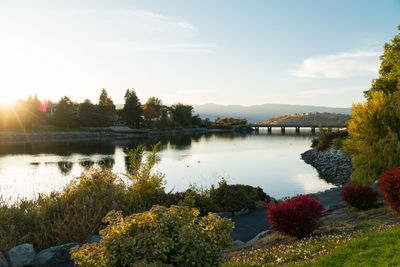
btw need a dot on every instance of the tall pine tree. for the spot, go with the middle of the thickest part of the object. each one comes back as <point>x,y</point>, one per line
<point>132,112</point>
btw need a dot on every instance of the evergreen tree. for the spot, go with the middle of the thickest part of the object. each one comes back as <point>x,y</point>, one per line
<point>64,115</point>
<point>105,110</point>
<point>132,110</point>
<point>87,113</point>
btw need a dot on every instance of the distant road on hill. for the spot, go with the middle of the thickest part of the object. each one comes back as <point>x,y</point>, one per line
<point>308,119</point>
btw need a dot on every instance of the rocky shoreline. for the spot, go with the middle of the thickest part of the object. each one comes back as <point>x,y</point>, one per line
<point>334,165</point>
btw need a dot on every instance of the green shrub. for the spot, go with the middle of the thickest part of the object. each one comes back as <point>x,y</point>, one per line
<point>146,187</point>
<point>159,237</point>
<point>337,143</point>
<point>231,197</point>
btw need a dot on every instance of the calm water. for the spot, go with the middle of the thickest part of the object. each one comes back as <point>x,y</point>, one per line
<point>269,161</point>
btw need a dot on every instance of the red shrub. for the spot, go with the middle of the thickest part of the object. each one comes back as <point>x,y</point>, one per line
<point>389,184</point>
<point>297,216</point>
<point>326,141</point>
<point>359,196</point>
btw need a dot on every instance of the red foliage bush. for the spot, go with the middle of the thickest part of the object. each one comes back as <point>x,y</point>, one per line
<point>389,184</point>
<point>297,216</point>
<point>359,196</point>
<point>326,141</point>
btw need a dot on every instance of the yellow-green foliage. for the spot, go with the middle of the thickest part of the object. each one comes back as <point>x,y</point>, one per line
<point>374,135</point>
<point>146,187</point>
<point>159,237</point>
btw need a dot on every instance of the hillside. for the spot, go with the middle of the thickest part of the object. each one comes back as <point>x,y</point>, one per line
<point>309,119</point>
<point>259,112</point>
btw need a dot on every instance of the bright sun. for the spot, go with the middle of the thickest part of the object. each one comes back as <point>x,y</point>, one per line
<point>7,99</point>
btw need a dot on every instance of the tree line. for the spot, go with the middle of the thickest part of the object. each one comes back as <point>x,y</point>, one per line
<point>69,114</point>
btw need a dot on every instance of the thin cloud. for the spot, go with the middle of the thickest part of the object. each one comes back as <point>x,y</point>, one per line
<point>147,47</point>
<point>154,22</point>
<point>340,65</point>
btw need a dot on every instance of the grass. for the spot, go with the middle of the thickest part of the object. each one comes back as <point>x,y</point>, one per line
<point>304,249</point>
<point>363,240</point>
<point>379,248</point>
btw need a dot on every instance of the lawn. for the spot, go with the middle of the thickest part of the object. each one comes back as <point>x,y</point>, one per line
<point>380,248</point>
<point>376,246</point>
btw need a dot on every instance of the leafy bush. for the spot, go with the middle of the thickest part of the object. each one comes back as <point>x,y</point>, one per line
<point>338,142</point>
<point>389,185</point>
<point>231,197</point>
<point>359,196</point>
<point>194,199</point>
<point>159,237</point>
<point>326,141</point>
<point>314,142</point>
<point>327,138</point>
<point>297,216</point>
<point>223,198</point>
<point>146,187</point>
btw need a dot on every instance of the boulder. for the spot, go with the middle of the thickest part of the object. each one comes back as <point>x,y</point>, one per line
<point>55,255</point>
<point>3,261</point>
<point>21,255</point>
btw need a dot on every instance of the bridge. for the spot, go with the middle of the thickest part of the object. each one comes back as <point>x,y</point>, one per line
<point>269,127</point>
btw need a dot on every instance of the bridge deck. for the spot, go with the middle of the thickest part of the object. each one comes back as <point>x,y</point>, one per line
<point>295,126</point>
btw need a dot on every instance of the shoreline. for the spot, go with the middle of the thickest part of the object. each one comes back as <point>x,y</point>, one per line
<point>20,138</point>
<point>334,165</point>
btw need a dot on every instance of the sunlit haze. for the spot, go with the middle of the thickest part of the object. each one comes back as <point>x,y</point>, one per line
<point>196,52</point>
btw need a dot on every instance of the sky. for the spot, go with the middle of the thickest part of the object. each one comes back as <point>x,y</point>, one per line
<point>226,52</point>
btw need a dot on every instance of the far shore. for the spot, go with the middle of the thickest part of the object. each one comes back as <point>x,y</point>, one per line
<point>10,137</point>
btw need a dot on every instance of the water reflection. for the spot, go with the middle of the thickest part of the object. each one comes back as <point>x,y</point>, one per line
<point>106,163</point>
<point>270,161</point>
<point>65,167</point>
<point>86,164</point>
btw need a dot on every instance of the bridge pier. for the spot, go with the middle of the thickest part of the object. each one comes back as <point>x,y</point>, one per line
<point>282,130</point>
<point>269,130</point>
<point>297,130</point>
<point>313,130</point>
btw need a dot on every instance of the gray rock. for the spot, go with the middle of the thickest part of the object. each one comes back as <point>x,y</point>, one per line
<point>3,261</point>
<point>21,255</point>
<point>334,165</point>
<point>237,243</point>
<point>55,255</point>
<point>94,239</point>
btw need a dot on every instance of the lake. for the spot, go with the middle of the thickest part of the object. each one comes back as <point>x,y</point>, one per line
<point>270,161</point>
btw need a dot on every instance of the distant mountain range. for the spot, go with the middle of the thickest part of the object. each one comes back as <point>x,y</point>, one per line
<point>260,112</point>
